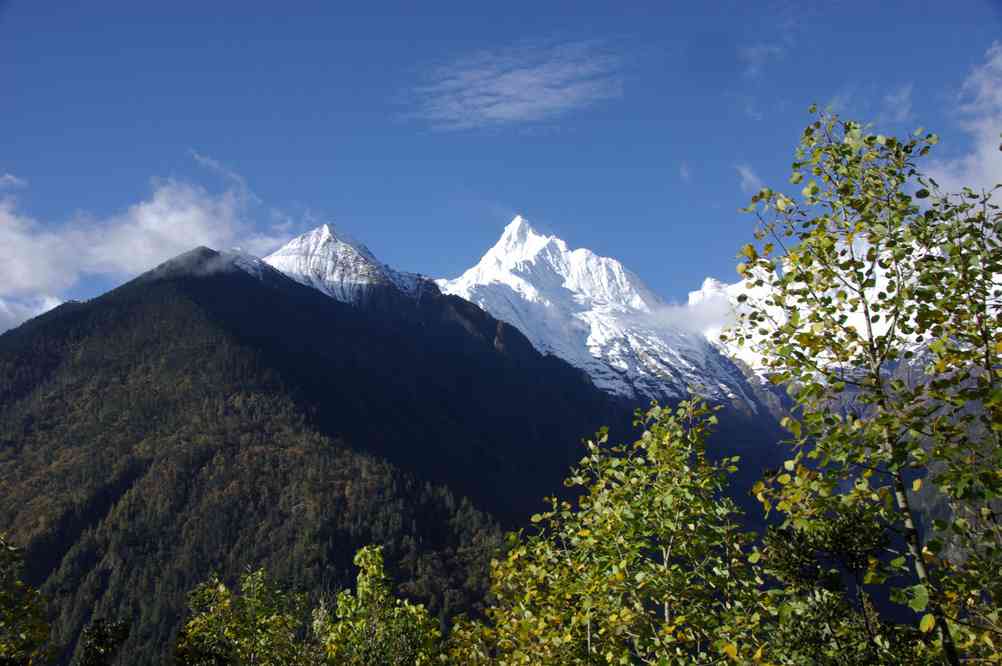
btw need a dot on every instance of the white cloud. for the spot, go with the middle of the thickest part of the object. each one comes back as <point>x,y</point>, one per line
<point>750,182</point>
<point>756,57</point>
<point>684,173</point>
<point>707,312</point>
<point>38,261</point>
<point>981,117</point>
<point>518,85</point>
<point>32,259</point>
<point>9,181</point>
<point>16,311</point>
<point>897,105</point>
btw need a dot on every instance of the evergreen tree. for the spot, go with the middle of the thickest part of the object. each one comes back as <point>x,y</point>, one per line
<point>24,630</point>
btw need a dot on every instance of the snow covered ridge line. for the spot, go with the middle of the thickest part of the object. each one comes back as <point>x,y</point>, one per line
<point>586,309</point>
<point>599,316</point>
<point>338,265</point>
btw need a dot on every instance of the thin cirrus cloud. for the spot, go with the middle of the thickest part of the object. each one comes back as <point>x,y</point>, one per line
<point>755,58</point>
<point>897,105</point>
<point>519,85</point>
<point>39,261</point>
<point>9,181</point>
<point>750,182</point>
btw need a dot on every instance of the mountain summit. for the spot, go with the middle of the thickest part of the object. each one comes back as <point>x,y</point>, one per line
<point>597,315</point>
<point>339,266</point>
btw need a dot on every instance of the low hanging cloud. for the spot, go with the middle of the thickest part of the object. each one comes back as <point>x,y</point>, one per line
<point>980,108</point>
<point>708,311</point>
<point>16,311</point>
<point>39,261</point>
<point>519,85</point>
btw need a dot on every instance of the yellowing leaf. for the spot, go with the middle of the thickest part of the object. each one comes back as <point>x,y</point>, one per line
<point>731,650</point>
<point>927,623</point>
<point>916,484</point>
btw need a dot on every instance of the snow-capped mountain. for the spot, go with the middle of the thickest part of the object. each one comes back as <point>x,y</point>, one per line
<point>597,315</point>
<point>339,266</point>
<point>583,308</point>
<point>721,299</point>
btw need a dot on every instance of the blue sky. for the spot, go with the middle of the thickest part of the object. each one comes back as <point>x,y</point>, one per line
<point>130,131</point>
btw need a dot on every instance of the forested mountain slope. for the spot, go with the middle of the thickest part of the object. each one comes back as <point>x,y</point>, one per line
<point>214,414</point>
<point>201,418</point>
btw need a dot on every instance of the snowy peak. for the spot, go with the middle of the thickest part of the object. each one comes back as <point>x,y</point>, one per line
<point>339,266</point>
<point>518,242</point>
<point>597,315</point>
<point>533,264</point>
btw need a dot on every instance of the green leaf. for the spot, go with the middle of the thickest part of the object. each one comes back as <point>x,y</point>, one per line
<point>920,598</point>
<point>927,623</point>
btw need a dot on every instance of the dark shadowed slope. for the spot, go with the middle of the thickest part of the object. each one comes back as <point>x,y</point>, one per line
<point>202,418</point>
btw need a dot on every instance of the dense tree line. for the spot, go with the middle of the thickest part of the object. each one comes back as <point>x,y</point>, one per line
<point>168,450</point>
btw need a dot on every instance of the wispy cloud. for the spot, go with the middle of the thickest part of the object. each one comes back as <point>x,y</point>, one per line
<point>754,58</point>
<point>39,261</point>
<point>750,182</point>
<point>751,108</point>
<point>844,101</point>
<point>897,105</point>
<point>526,84</point>
<point>9,181</point>
<point>238,183</point>
<point>684,173</point>
<point>981,117</point>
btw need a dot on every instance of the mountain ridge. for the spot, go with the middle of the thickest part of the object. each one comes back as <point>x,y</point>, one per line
<point>339,266</point>
<point>599,316</point>
<point>214,414</point>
